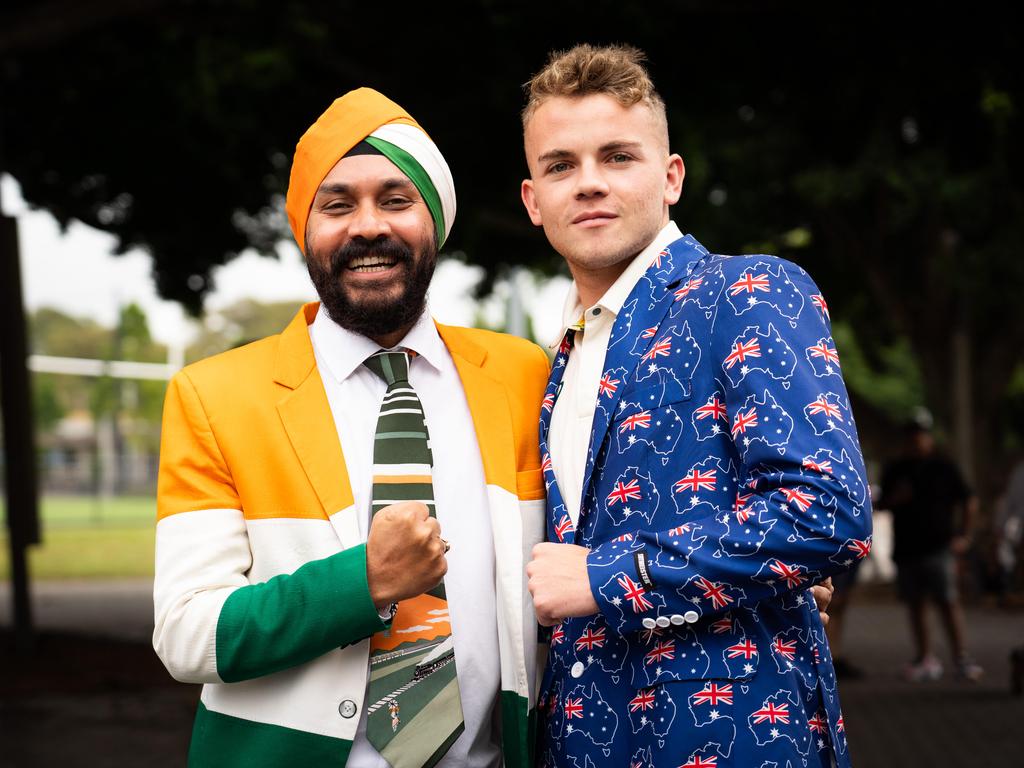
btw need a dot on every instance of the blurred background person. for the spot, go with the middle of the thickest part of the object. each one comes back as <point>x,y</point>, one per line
<point>932,508</point>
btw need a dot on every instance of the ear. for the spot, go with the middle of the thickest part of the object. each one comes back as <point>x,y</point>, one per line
<point>674,174</point>
<point>529,196</point>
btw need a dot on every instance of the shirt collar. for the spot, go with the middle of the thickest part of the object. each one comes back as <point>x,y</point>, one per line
<point>618,292</point>
<point>343,351</point>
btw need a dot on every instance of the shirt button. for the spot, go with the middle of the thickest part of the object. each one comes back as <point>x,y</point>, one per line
<point>662,621</point>
<point>690,617</point>
<point>595,311</point>
<point>577,669</point>
<point>677,619</point>
<point>649,623</point>
<point>347,709</point>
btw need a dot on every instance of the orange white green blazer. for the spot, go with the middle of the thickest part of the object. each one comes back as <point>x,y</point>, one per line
<point>260,589</point>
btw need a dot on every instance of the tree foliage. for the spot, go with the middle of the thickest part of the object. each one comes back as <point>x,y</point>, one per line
<point>880,149</point>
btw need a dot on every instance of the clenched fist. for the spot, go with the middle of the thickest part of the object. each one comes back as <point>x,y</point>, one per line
<point>559,583</point>
<point>404,553</point>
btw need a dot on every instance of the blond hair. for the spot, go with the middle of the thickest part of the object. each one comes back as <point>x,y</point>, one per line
<point>612,70</point>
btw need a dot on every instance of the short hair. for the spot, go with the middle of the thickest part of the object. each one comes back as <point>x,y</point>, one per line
<point>614,70</point>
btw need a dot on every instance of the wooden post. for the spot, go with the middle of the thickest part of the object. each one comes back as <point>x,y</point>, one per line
<point>19,446</point>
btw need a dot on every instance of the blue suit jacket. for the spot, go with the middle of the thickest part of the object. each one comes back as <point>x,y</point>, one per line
<point>724,478</point>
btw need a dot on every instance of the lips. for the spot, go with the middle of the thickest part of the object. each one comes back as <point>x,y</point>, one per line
<point>360,257</point>
<point>371,263</point>
<point>592,218</point>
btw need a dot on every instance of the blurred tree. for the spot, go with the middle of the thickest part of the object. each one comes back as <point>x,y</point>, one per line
<point>53,332</point>
<point>238,324</point>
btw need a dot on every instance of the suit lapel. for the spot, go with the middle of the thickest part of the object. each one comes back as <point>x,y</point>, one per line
<point>559,522</point>
<point>634,335</point>
<point>488,406</point>
<point>307,420</point>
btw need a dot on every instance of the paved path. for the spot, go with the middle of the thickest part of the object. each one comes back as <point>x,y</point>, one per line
<point>96,683</point>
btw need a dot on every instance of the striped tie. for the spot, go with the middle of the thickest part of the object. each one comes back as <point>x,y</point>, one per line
<point>414,711</point>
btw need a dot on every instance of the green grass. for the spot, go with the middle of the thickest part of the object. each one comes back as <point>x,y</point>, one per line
<point>88,538</point>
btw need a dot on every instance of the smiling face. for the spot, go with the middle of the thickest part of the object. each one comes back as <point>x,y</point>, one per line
<point>371,247</point>
<point>601,181</point>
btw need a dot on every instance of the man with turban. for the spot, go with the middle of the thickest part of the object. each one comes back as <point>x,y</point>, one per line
<point>301,573</point>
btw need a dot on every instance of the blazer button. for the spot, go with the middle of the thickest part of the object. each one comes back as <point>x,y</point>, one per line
<point>662,621</point>
<point>347,709</point>
<point>649,623</point>
<point>577,669</point>
<point>691,617</point>
<point>677,619</point>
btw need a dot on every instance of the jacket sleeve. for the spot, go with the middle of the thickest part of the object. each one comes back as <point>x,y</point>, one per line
<point>211,623</point>
<point>802,510</point>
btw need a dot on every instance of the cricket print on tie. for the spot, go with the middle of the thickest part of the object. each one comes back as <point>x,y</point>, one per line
<point>414,710</point>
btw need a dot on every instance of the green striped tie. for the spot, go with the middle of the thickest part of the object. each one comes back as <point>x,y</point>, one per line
<point>414,711</point>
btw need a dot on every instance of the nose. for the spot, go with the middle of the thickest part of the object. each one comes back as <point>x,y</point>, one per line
<point>590,181</point>
<point>368,222</point>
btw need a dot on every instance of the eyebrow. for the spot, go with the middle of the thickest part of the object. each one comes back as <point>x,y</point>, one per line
<point>611,146</point>
<point>346,189</point>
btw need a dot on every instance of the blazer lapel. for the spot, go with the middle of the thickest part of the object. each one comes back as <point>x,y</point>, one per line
<point>558,521</point>
<point>307,420</point>
<point>635,336</point>
<point>488,406</point>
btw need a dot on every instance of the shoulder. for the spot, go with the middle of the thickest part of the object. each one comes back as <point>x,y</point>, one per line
<point>737,267</point>
<point>231,374</point>
<point>504,352</point>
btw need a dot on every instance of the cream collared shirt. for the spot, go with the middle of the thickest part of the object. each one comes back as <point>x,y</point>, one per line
<point>354,394</point>
<point>573,415</point>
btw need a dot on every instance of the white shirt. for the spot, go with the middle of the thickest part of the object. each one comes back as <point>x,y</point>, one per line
<point>354,394</point>
<point>573,416</point>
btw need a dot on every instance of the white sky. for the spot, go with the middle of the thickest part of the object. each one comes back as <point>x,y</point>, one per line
<point>76,273</point>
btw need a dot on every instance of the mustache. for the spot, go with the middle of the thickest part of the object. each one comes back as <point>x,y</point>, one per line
<point>386,248</point>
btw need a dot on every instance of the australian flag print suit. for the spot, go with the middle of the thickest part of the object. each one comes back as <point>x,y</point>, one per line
<point>724,478</point>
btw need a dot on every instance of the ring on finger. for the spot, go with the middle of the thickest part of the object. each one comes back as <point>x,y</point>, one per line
<point>447,546</point>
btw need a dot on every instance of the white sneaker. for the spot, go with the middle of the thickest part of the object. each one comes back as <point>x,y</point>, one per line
<point>967,669</point>
<point>926,670</point>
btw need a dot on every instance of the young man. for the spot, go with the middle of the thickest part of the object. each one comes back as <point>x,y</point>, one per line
<point>298,537</point>
<point>700,456</point>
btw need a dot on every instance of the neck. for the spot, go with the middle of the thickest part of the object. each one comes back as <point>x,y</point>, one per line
<point>592,284</point>
<point>388,340</point>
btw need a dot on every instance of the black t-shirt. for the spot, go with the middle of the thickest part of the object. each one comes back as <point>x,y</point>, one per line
<point>924,494</point>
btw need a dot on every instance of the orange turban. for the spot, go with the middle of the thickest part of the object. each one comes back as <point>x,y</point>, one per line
<point>365,114</point>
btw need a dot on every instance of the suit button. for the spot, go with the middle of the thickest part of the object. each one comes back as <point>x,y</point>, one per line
<point>577,669</point>
<point>677,619</point>
<point>649,623</point>
<point>347,709</point>
<point>690,617</point>
<point>662,621</point>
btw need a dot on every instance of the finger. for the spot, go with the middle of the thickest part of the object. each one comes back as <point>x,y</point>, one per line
<point>433,527</point>
<point>546,620</point>
<point>824,618</point>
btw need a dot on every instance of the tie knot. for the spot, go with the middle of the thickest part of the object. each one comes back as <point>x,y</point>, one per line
<point>390,366</point>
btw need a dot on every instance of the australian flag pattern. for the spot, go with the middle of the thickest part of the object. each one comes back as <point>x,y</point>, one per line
<point>724,479</point>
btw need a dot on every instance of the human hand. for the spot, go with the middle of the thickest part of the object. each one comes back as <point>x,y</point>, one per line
<point>559,583</point>
<point>822,597</point>
<point>404,553</point>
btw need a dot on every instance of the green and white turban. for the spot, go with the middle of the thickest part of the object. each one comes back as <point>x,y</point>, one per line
<point>366,115</point>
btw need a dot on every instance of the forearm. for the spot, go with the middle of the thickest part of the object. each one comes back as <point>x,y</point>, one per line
<point>213,626</point>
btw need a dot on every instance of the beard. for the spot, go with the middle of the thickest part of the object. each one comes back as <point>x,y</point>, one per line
<point>376,314</point>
